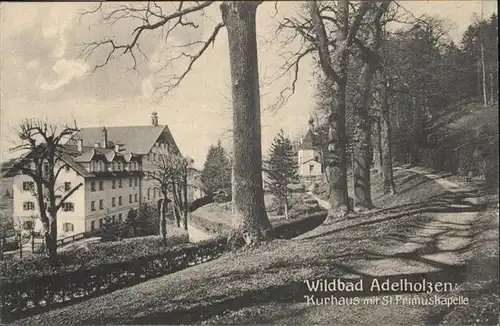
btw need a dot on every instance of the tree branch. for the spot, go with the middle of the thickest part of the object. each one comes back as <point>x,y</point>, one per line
<point>63,199</point>
<point>151,17</point>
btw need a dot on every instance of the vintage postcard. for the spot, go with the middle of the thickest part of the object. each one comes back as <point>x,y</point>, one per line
<point>249,162</point>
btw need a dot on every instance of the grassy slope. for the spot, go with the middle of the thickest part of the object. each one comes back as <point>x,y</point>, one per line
<point>263,285</point>
<point>469,119</point>
<point>218,215</point>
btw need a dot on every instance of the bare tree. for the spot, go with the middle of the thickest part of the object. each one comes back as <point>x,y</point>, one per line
<point>369,55</point>
<point>46,157</point>
<point>164,174</point>
<point>250,218</point>
<point>329,30</point>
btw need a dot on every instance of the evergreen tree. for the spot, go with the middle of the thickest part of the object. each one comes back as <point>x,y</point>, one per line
<point>281,169</point>
<point>108,231</point>
<point>216,174</point>
<point>131,220</point>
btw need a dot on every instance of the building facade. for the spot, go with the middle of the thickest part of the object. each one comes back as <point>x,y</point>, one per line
<point>309,157</point>
<point>109,177</point>
<point>112,164</point>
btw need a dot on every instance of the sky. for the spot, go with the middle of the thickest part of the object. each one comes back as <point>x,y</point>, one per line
<point>42,75</point>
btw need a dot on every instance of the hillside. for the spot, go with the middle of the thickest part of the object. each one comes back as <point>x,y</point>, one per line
<point>266,285</point>
<point>464,138</point>
<point>217,217</point>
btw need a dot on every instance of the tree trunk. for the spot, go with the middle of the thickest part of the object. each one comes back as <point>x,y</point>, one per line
<point>336,164</point>
<point>21,245</point>
<point>32,242</point>
<point>483,68</point>
<point>176,204</point>
<point>286,208</point>
<point>186,205</point>
<point>492,88</point>
<point>386,139</point>
<point>163,219</point>
<point>250,220</point>
<point>50,233</point>
<point>377,146</point>
<point>362,148</point>
<point>2,246</point>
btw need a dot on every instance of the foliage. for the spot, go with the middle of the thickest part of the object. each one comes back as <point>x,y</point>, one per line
<point>108,230</point>
<point>216,174</point>
<point>281,169</point>
<point>34,284</point>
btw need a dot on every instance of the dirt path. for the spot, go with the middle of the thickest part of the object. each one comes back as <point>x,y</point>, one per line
<point>197,235</point>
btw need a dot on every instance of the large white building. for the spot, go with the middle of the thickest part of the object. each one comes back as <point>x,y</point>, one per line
<point>309,158</point>
<point>110,163</point>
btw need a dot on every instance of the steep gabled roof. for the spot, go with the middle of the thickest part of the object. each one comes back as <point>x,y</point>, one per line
<point>309,142</point>
<point>72,157</point>
<point>309,160</point>
<point>137,139</point>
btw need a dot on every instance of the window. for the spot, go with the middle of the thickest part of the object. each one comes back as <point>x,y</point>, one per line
<point>66,168</point>
<point>92,205</point>
<point>113,185</point>
<point>68,227</point>
<point>113,166</point>
<point>149,193</point>
<point>101,204</point>
<point>113,203</point>
<point>120,217</point>
<point>101,185</point>
<point>120,183</point>
<point>92,186</point>
<point>68,207</point>
<point>67,186</point>
<point>100,223</point>
<point>135,197</point>
<point>130,182</point>
<point>28,185</point>
<point>154,193</point>
<point>29,206</point>
<point>97,167</point>
<point>136,181</point>
<point>92,225</point>
<point>120,200</point>
<point>311,168</point>
<point>154,156</point>
<point>113,218</point>
<point>130,199</point>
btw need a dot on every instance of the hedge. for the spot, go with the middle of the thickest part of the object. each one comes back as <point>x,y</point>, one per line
<point>35,286</point>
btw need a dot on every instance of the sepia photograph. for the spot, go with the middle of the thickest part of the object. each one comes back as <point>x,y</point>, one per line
<point>249,163</point>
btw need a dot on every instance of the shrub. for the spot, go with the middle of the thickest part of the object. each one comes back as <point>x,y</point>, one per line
<point>33,284</point>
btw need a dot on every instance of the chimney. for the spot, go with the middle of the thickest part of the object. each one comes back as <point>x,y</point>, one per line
<point>104,140</point>
<point>154,119</point>
<point>79,145</point>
